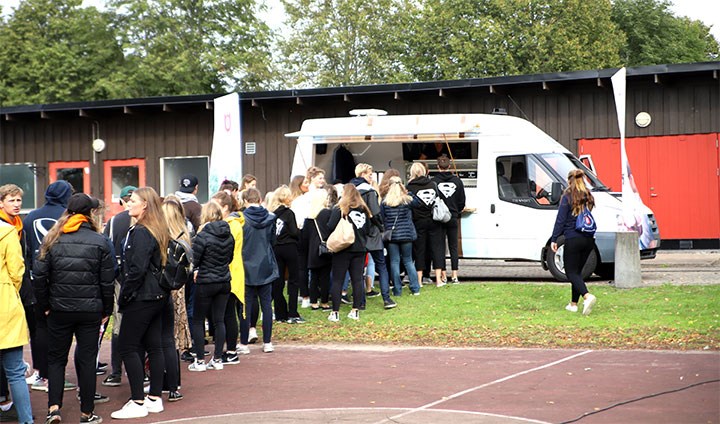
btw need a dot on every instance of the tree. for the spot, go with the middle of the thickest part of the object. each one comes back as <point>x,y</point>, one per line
<point>178,47</point>
<point>55,51</point>
<point>345,42</point>
<point>476,38</point>
<point>656,36</point>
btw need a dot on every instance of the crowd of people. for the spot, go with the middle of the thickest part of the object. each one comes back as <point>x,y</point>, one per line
<point>63,274</point>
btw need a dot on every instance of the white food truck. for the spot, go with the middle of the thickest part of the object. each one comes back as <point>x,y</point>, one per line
<point>513,173</point>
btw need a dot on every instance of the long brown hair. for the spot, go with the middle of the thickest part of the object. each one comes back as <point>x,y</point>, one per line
<point>227,200</point>
<point>351,199</point>
<point>56,231</point>
<point>153,218</point>
<point>578,193</point>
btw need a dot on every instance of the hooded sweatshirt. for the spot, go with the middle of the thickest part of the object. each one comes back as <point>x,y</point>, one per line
<point>237,269</point>
<point>213,252</point>
<point>38,222</point>
<point>257,252</point>
<point>452,190</point>
<point>193,210</point>
<point>286,229</point>
<point>425,191</point>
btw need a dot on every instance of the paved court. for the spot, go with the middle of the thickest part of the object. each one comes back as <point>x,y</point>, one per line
<point>365,384</point>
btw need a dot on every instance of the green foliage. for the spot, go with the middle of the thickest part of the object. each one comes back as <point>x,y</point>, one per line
<point>189,47</point>
<point>345,42</point>
<point>477,38</point>
<point>56,50</point>
<point>655,36</point>
<point>528,315</point>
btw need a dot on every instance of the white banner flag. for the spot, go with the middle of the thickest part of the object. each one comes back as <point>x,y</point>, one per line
<point>634,216</point>
<point>226,154</point>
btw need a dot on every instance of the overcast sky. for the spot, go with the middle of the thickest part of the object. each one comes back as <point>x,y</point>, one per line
<point>707,11</point>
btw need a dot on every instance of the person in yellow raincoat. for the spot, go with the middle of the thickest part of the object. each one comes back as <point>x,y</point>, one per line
<point>14,329</point>
<point>234,311</point>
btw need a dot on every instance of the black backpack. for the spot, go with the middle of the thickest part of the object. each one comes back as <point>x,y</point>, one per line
<point>178,269</point>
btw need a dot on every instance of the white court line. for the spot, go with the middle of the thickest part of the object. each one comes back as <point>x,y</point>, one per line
<point>482,386</point>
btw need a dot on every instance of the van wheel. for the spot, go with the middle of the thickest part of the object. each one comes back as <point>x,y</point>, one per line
<point>556,265</point>
<point>606,271</point>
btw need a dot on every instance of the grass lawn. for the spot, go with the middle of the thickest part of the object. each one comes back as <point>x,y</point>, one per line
<point>526,315</point>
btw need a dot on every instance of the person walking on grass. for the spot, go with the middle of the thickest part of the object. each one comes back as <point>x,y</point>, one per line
<point>352,258</point>
<point>14,334</point>
<point>259,262</point>
<point>578,245</point>
<point>74,275</point>
<point>142,302</point>
<point>212,254</point>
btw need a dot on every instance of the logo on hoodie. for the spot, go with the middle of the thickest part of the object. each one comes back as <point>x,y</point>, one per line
<point>447,189</point>
<point>41,227</point>
<point>427,196</point>
<point>279,225</point>
<point>358,218</point>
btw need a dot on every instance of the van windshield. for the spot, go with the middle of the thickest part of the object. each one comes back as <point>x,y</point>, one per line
<point>563,164</point>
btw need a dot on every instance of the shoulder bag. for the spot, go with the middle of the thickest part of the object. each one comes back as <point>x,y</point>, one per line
<point>342,237</point>
<point>387,234</point>
<point>323,250</point>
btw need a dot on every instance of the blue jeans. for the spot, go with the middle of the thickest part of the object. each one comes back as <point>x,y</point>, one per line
<point>378,256</point>
<point>397,251</point>
<point>14,366</point>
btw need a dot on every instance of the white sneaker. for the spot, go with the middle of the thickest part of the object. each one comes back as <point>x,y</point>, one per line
<point>215,364</point>
<point>588,304</point>
<point>268,347</point>
<point>197,366</point>
<point>354,314</point>
<point>154,406</point>
<point>252,335</point>
<point>243,350</point>
<point>570,307</point>
<point>440,284</point>
<point>305,303</point>
<point>33,378</point>
<point>334,316</point>
<point>130,410</point>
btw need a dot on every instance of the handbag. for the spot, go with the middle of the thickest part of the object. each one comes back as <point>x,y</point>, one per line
<point>387,234</point>
<point>585,222</point>
<point>323,250</point>
<point>441,213</point>
<point>342,237</point>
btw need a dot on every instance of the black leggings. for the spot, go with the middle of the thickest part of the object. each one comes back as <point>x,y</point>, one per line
<point>232,328</point>
<point>575,254</point>
<point>286,256</point>
<point>320,284</point>
<point>449,231</point>
<point>209,297</point>
<point>141,330</point>
<point>341,263</point>
<point>172,364</point>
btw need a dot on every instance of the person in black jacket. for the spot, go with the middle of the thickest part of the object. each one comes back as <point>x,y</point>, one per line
<point>428,231</point>
<point>452,191</point>
<point>73,278</point>
<point>212,253</point>
<point>352,258</point>
<point>287,236</point>
<point>314,232</point>
<point>142,301</point>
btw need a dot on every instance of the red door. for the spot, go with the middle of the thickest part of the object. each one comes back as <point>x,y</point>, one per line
<point>118,174</point>
<point>677,177</point>
<point>77,173</point>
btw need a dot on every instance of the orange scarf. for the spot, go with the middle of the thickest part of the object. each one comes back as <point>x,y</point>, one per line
<point>14,221</point>
<point>74,222</point>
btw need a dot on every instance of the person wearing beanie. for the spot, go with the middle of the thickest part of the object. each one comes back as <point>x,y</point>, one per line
<point>37,224</point>
<point>77,298</point>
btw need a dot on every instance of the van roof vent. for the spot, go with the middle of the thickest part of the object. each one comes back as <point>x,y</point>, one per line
<point>499,111</point>
<point>368,112</point>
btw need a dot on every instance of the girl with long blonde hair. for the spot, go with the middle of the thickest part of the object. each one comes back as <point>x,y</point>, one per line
<point>578,245</point>
<point>397,216</point>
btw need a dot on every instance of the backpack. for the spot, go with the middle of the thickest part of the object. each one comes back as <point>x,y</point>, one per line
<point>178,269</point>
<point>585,223</point>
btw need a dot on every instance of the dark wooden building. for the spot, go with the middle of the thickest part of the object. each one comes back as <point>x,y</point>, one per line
<point>152,141</point>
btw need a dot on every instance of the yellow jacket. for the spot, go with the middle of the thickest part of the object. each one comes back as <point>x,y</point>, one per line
<point>237,270</point>
<point>13,327</point>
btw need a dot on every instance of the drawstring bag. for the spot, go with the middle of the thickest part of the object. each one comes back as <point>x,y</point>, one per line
<point>441,213</point>
<point>342,237</point>
<point>585,222</point>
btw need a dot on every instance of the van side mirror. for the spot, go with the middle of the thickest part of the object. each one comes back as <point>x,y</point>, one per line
<point>555,193</point>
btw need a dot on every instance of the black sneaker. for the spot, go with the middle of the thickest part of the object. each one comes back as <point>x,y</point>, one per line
<point>10,415</point>
<point>53,417</point>
<point>98,399</point>
<point>102,366</point>
<point>372,293</point>
<point>112,380</point>
<point>230,358</point>
<point>92,418</point>
<point>187,356</point>
<point>298,320</point>
<point>346,299</point>
<point>99,371</point>
<point>389,304</point>
<point>174,396</point>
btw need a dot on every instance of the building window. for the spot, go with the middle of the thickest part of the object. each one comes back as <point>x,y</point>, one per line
<point>23,176</point>
<point>172,168</point>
